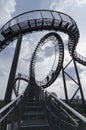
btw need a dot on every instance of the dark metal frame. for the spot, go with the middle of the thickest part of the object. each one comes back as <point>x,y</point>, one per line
<point>59,113</point>
<point>78,83</point>
<point>57,65</point>
<point>13,71</point>
<point>56,22</point>
<point>18,78</point>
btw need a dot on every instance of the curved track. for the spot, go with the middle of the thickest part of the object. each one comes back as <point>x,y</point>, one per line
<point>22,77</point>
<point>39,20</point>
<point>19,77</point>
<point>56,40</point>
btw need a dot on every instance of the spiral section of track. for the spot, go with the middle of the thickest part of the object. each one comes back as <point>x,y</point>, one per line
<point>18,77</point>
<point>58,60</point>
<point>38,20</point>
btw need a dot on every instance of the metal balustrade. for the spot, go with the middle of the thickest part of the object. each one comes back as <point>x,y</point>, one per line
<point>9,112</point>
<point>58,112</point>
<point>61,112</point>
<point>60,115</point>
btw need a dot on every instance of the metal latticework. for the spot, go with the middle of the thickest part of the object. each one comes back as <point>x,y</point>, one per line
<point>34,21</point>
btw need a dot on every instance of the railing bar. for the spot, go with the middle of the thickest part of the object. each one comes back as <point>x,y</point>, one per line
<point>8,105</point>
<point>66,113</point>
<point>69,116</point>
<point>82,118</point>
<point>2,118</point>
<point>52,113</point>
<point>71,109</point>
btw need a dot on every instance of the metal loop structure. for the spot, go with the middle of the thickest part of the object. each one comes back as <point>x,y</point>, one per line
<point>22,77</point>
<point>38,20</point>
<point>19,77</point>
<point>58,117</point>
<point>58,61</point>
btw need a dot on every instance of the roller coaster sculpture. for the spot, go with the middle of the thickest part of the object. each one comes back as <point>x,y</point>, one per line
<point>39,20</point>
<point>18,78</point>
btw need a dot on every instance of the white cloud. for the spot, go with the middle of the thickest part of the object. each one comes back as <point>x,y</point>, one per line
<point>67,4</point>
<point>7,8</point>
<point>77,10</point>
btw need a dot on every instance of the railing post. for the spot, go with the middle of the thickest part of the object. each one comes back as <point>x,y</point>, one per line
<point>59,116</point>
<point>12,119</point>
<point>20,111</point>
<point>65,86</point>
<point>0,122</point>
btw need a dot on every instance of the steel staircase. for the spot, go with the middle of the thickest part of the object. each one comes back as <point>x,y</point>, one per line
<point>34,116</point>
<point>36,108</point>
<point>45,112</point>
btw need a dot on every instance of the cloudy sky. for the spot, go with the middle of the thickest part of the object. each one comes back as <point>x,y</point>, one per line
<point>10,8</point>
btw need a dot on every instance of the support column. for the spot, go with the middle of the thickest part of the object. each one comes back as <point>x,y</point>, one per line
<point>18,87</point>
<point>65,87</point>
<point>8,94</point>
<point>80,87</point>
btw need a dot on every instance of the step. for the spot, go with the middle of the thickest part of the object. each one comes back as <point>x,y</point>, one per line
<point>33,107</point>
<point>26,97</point>
<point>30,99</point>
<point>34,103</point>
<point>34,123</point>
<point>34,115</point>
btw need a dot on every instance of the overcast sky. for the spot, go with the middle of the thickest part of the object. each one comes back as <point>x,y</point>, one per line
<point>10,8</point>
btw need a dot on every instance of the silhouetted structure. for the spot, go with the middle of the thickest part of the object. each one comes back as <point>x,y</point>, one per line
<point>36,108</point>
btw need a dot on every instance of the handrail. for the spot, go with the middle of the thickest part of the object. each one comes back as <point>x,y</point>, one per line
<point>10,104</point>
<point>78,115</point>
<point>10,110</point>
<point>64,105</point>
<point>66,113</point>
<point>22,76</point>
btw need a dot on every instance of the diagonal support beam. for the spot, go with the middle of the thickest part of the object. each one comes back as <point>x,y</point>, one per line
<point>65,86</point>
<point>80,87</point>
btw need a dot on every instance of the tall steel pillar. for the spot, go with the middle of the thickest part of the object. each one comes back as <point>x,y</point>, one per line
<point>80,87</point>
<point>65,86</point>
<point>10,85</point>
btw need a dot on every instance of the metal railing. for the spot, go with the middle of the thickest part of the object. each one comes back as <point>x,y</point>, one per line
<point>22,76</point>
<point>11,113</point>
<point>61,115</point>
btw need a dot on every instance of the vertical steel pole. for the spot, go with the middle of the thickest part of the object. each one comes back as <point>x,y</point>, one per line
<point>13,71</point>
<point>13,119</point>
<point>80,87</point>
<point>18,86</point>
<point>65,87</point>
<point>10,84</point>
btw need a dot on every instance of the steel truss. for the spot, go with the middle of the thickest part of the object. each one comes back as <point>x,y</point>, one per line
<point>39,20</point>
